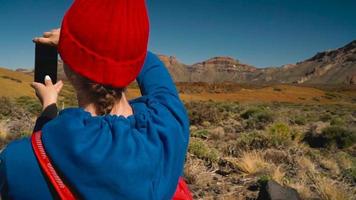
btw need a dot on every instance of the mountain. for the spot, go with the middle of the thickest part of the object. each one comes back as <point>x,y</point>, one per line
<point>220,69</point>
<point>329,67</point>
<point>178,70</point>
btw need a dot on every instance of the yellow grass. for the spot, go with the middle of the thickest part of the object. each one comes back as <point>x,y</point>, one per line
<point>252,162</point>
<point>278,175</point>
<point>11,88</point>
<point>327,189</point>
<point>292,94</point>
<point>3,132</point>
<point>306,165</point>
<point>331,165</point>
<point>344,161</point>
<point>303,188</point>
<point>287,93</point>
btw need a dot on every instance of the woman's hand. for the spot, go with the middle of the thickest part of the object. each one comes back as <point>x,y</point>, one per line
<point>47,93</point>
<point>49,38</point>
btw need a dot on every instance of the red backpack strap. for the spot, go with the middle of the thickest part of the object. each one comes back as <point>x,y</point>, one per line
<point>62,190</point>
<point>182,192</point>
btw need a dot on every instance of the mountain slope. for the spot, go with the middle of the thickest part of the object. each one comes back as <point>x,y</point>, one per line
<point>220,69</point>
<point>178,70</point>
<point>15,84</point>
<point>329,67</point>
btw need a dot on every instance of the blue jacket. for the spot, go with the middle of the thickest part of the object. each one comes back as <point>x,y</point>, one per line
<point>108,157</point>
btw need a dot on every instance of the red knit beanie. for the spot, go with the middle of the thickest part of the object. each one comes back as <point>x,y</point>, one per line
<point>105,40</point>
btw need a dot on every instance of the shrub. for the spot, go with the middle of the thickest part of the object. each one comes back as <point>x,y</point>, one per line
<point>202,151</point>
<point>299,120</point>
<point>252,162</point>
<point>350,174</point>
<point>263,180</point>
<point>280,134</point>
<point>338,121</point>
<point>249,141</point>
<point>5,107</point>
<point>200,112</point>
<point>31,105</point>
<point>328,189</point>
<point>257,117</point>
<point>325,117</point>
<point>331,136</point>
<point>200,134</point>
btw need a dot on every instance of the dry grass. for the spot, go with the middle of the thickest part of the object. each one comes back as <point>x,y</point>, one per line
<point>328,189</point>
<point>303,187</point>
<point>330,165</point>
<point>3,132</point>
<point>278,175</point>
<point>287,93</point>
<point>268,94</point>
<point>306,165</point>
<point>344,161</point>
<point>195,172</point>
<point>325,188</point>
<point>252,162</point>
<point>11,88</point>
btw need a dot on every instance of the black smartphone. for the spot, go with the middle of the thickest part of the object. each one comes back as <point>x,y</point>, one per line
<point>46,60</point>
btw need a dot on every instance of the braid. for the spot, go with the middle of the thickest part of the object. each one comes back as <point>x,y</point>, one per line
<point>104,97</point>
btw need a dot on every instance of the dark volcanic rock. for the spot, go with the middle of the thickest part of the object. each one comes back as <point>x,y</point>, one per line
<point>273,191</point>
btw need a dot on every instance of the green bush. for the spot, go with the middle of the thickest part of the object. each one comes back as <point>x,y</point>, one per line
<point>203,151</point>
<point>299,120</point>
<point>263,180</point>
<point>325,117</point>
<point>200,134</point>
<point>257,117</point>
<point>331,136</point>
<point>212,112</point>
<point>5,107</point>
<point>29,104</point>
<point>279,134</point>
<point>338,121</point>
<point>350,174</point>
<point>246,142</point>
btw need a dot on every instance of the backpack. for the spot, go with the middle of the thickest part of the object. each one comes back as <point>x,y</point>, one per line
<point>63,191</point>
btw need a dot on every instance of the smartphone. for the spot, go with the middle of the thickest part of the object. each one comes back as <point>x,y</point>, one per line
<point>46,60</point>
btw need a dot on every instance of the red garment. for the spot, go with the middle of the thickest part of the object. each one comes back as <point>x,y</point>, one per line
<point>182,191</point>
<point>105,41</point>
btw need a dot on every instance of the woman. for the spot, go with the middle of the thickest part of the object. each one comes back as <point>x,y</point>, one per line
<point>109,147</point>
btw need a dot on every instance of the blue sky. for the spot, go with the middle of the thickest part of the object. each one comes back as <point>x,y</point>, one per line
<point>258,32</point>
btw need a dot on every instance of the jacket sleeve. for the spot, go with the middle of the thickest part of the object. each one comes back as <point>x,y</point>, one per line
<point>154,78</point>
<point>156,83</point>
<point>3,182</point>
<point>169,117</point>
<point>47,115</point>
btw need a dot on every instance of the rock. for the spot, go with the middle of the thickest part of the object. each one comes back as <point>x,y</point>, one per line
<point>273,191</point>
